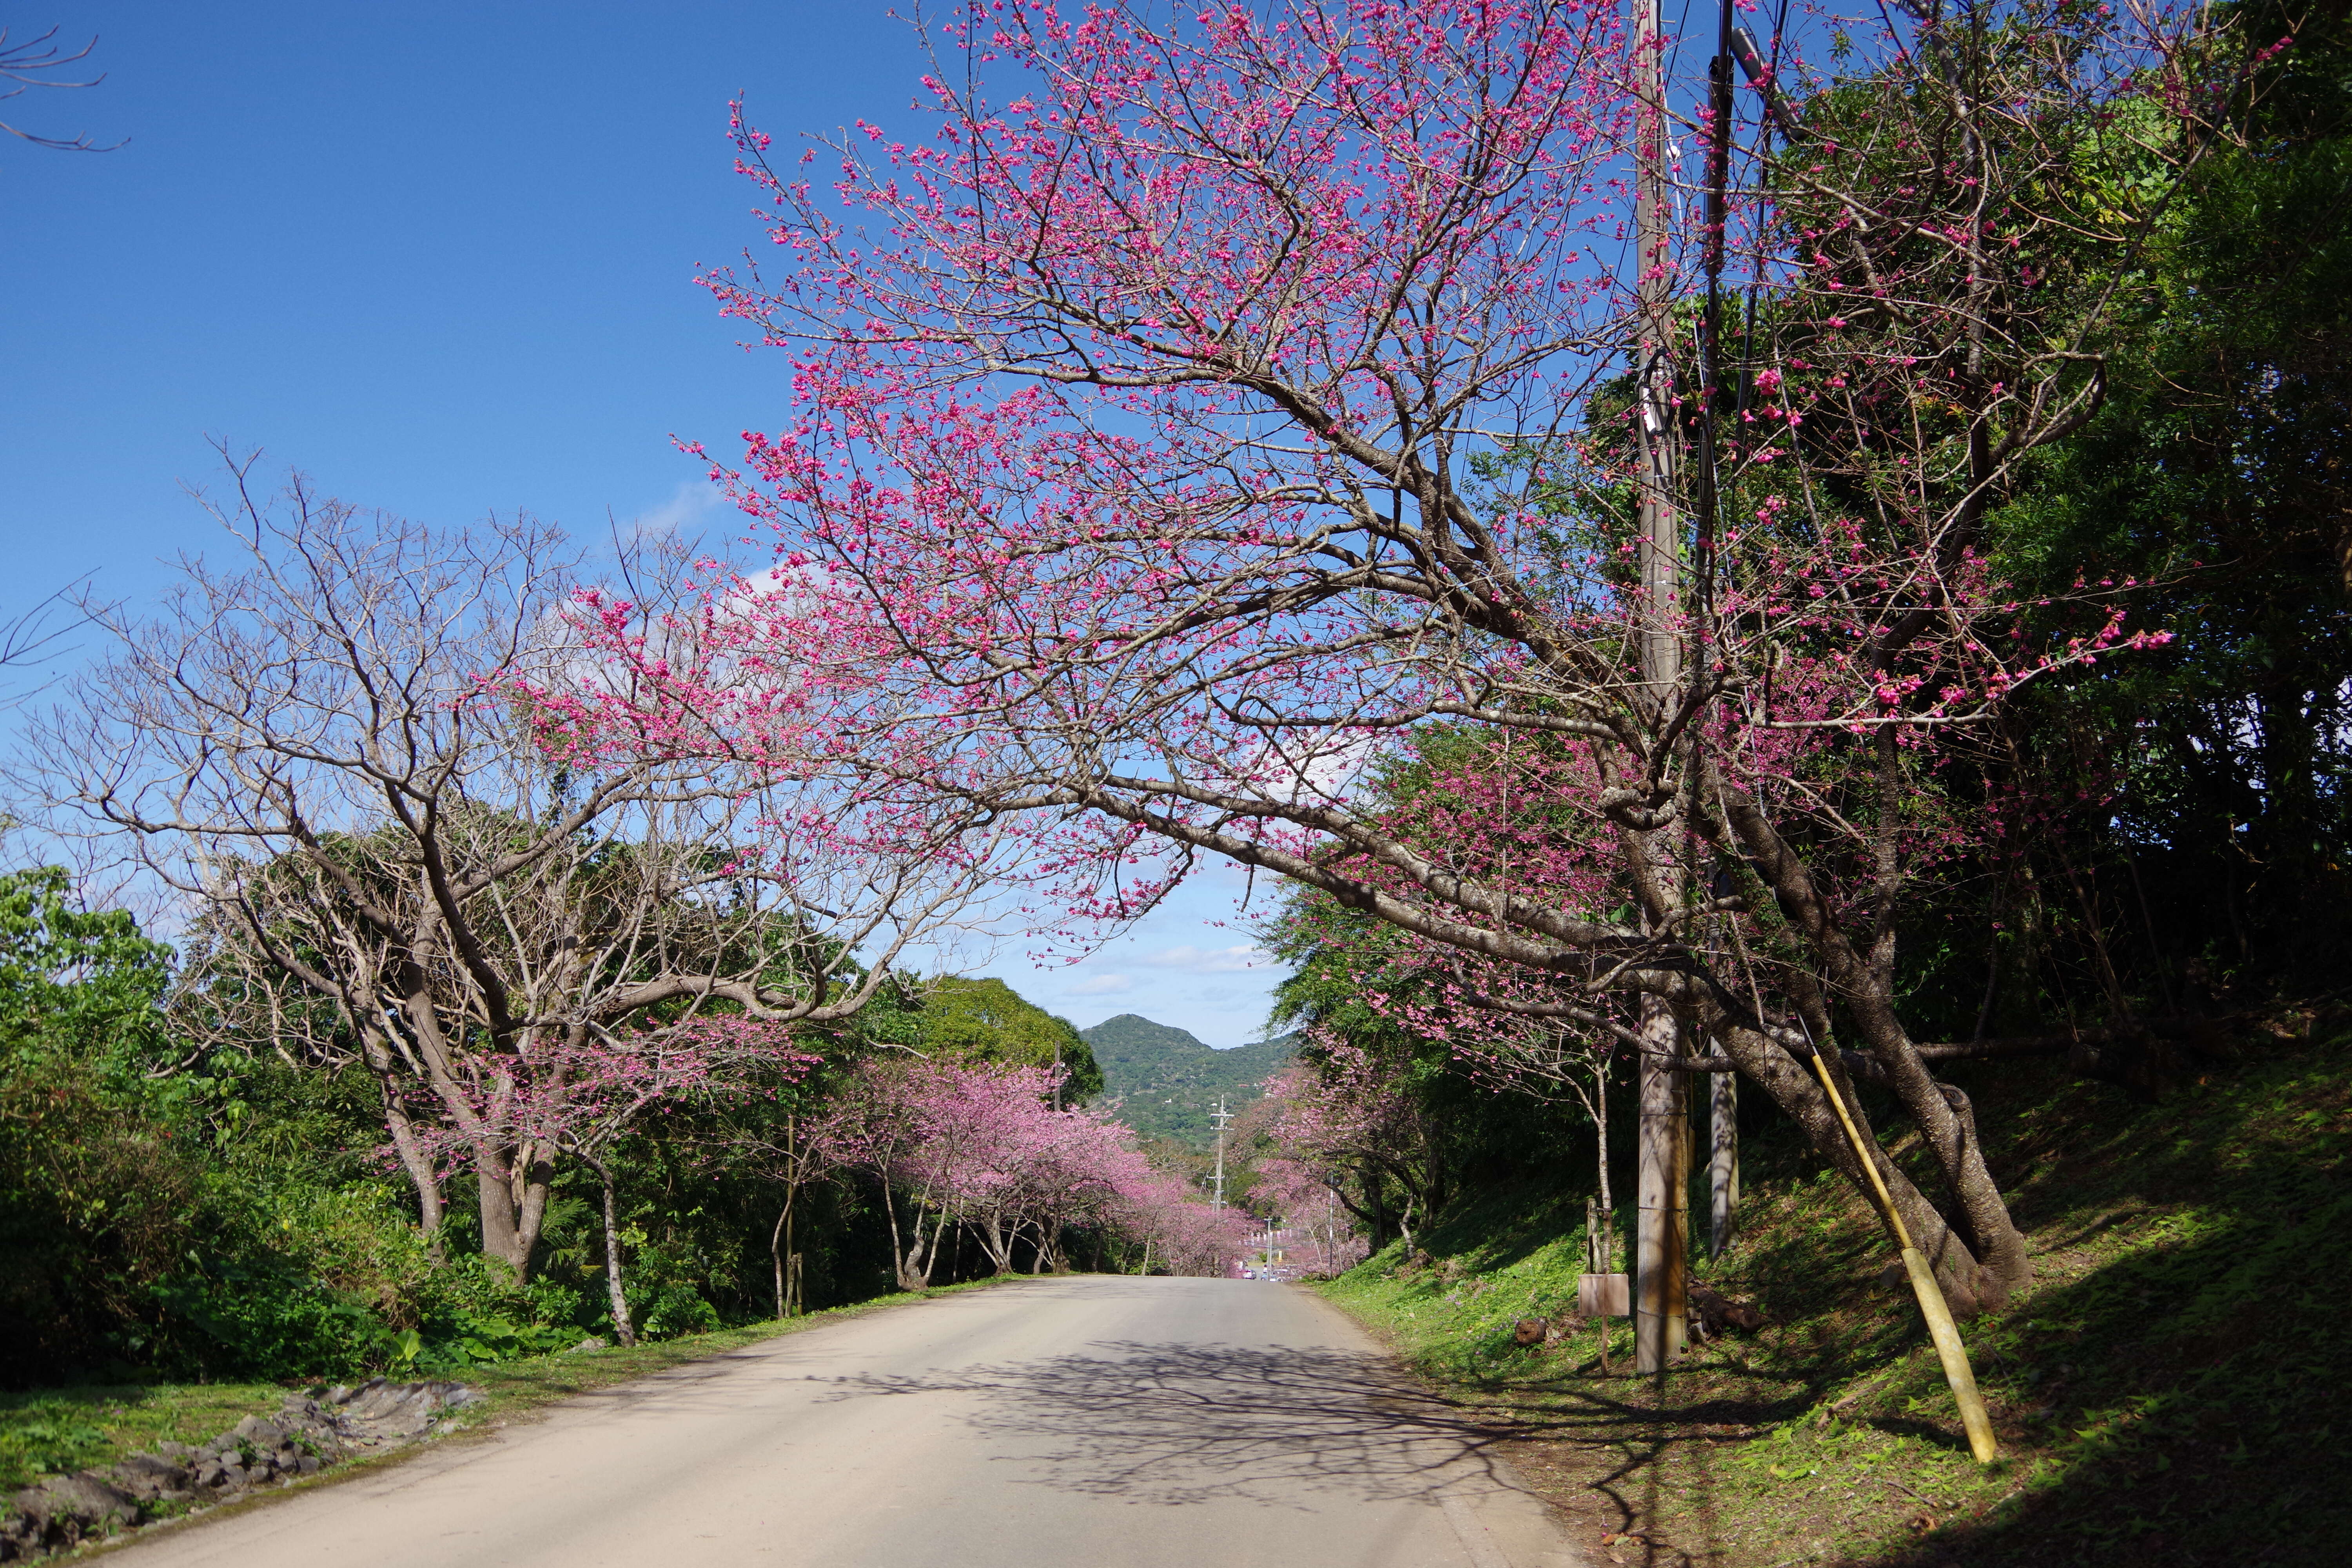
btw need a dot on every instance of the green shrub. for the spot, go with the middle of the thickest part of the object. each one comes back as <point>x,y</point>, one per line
<point>677,1308</point>
<point>261,1318</point>
<point>471,1313</point>
<point>356,1240</point>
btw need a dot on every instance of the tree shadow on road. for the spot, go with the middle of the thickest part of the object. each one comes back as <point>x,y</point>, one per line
<point>1168,1423</point>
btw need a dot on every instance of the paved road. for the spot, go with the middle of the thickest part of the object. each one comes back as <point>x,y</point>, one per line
<point>1094,1421</point>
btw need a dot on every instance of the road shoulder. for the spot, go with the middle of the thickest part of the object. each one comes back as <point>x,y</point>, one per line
<point>1501,1520</point>
<point>522,1393</point>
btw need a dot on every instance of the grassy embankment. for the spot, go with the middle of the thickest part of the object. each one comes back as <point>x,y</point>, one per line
<point>2166,1392</point>
<point>52,1431</point>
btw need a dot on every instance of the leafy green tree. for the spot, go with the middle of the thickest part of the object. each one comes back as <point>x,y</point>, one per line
<point>988,1021</point>
<point>73,979</point>
<point>179,1219</point>
<point>2176,821</point>
<point>96,1192</point>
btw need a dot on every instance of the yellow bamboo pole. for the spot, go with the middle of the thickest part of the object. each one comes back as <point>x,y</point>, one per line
<point>1932,1305</point>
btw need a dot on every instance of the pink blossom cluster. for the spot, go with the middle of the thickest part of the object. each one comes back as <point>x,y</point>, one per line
<point>1316,1228</point>
<point>987,1149</point>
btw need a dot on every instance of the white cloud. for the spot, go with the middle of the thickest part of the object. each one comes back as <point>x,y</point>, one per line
<point>1211,961</point>
<point>1100,985</point>
<point>693,500</point>
<point>1320,769</point>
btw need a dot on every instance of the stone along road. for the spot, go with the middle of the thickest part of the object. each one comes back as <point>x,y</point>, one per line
<point>1096,1420</point>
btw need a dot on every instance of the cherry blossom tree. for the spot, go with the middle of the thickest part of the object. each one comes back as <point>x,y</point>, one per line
<point>1306,1198</point>
<point>1181,1232</point>
<point>1214,403</point>
<point>985,1147</point>
<point>388,858</point>
<point>872,1129</point>
<point>992,1154</point>
<point>1346,1121</point>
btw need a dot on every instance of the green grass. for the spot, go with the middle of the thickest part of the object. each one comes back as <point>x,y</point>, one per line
<point>56,1430</point>
<point>2167,1391</point>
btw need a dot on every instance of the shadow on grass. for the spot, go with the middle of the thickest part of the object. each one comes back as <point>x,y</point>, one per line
<point>2170,1390</point>
<point>2182,1367</point>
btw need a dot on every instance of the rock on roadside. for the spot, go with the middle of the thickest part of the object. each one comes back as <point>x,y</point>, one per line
<point>303,1437</point>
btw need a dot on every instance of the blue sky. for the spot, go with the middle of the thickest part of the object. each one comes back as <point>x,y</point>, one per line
<point>440,259</point>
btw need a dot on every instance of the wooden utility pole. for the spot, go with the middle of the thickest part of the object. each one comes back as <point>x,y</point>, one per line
<point>1222,1116</point>
<point>1723,1098</point>
<point>1662,1234</point>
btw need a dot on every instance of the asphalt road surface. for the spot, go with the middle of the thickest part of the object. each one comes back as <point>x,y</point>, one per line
<point>1099,1421</point>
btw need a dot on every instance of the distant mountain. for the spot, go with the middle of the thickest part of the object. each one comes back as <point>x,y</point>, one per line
<point>1167,1081</point>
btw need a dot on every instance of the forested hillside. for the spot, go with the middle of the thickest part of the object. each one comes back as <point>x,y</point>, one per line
<point>1167,1083</point>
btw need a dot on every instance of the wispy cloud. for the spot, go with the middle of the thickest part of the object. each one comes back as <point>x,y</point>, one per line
<point>1211,960</point>
<point>693,500</point>
<point>1100,985</point>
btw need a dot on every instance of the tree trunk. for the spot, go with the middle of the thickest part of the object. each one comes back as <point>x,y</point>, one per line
<point>922,1255</point>
<point>913,1265</point>
<point>416,1162</point>
<point>1723,1158</point>
<point>780,1238</point>
<point>1794,1090</point>
<point>1948,1125</point>
<point>931,1258</point>
<point>512,1185</point>
<point>777,1249</point>
<point>793,1304</point>
<point>914,1270</point>
<point>1375,1211</point>
<point>997,1245</point>
<point>1978,1269</point>
<point>615,1296</point>
<point>897,1258</point>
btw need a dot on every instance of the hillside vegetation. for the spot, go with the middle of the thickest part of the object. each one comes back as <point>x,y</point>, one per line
<point>181,1206</point>
<point>1167,1081</point>
<point>2166,1392</point>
